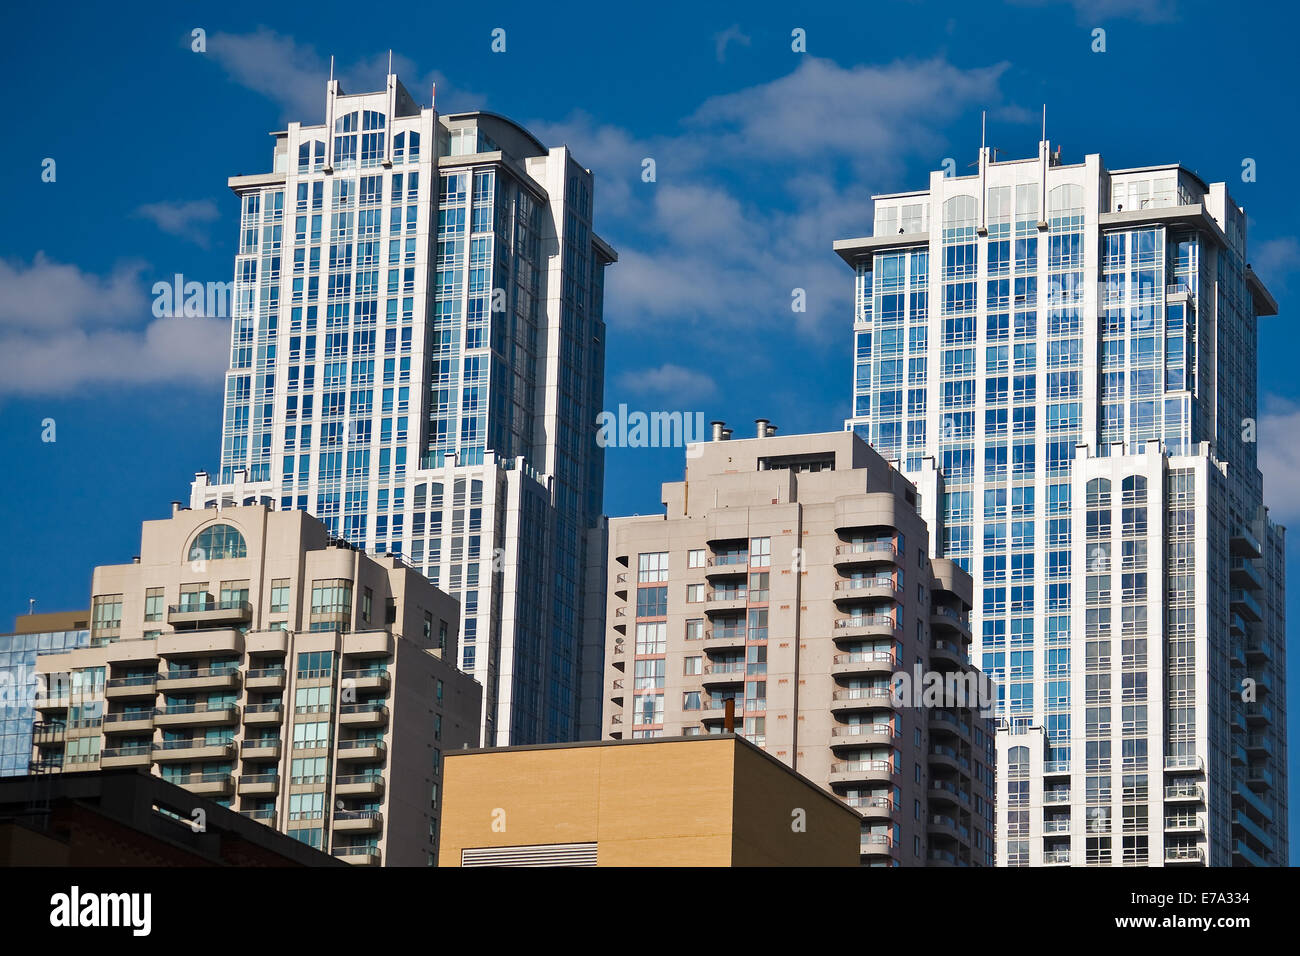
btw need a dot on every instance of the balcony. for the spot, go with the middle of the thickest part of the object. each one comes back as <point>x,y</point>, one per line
<point>259,784</point>
<point>360,750</point>
<point>135,722</point>
<point>210,614</point>
<point>867,589</point>
<point>1244,574</point>
<point>1184,793</point>
<point>726,566</point>
<point>265,678</point>
<point>873,625</point>
<point>942,825</point>
<point>866,552</point>
<point>187,715</point>
<point>1056,768</point>
<point>864,771</point>
<point>876,844</point>
<point>1257,745</point>
<point>359,785</point>
<point>947,792</point>
<point>111,757</point>
<point>1056,857</point>
<point>254,748</point>
<point>717,638</point>
<point>944,756</point>
<point>873,808</point>
<point>948,619</point>
<point>1245,605</point>
<point>941,858</point>
<point>861,735</point>
<point>199,679</point>
<point>262,814</point>
<point>52,702</point>
<point>358,855</point>
<point>369,679</point>
<point>1259,778</point>
<point>1056,797</point>
<point>722,602</point>
<point>1184,824</point>
<point>721,674</point>
<point>273,641</point>
<point>616,690</point>
<point>358,821</point>
<point>946,652</point>
<point>1258,652</point>
<point>1184,763</point>
<point>860,698</point>
<point>1180,854</point>
<point>1244,543</point>
<point>715,710</point>
<point>369,714</point>
<point>214,784</point>
<point>263,715</point>
<point>197,748</point>
<point>124,688</point>
<point>49,734</point>
<point>864,663</point>
<point>1259,714</point>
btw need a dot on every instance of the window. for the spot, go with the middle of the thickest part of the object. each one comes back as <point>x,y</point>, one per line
<point>153,604</point>
<point>280,596</point>
<point>696,558</point>
<point>652,567</point>
<point>218,542</point>
<point>331,604</point>
<point>652,602</point>
<point>695,594</point>
<point>760,552</point>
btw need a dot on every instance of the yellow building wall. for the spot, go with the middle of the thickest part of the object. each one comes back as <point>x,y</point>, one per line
<point>661,803</point>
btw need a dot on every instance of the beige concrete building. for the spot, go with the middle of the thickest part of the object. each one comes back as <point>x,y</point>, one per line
<point>248,657</point>
<point>707,801</point>
<point>791,576</point>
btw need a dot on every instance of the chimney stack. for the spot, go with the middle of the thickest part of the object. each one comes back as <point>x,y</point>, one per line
<point>726,434</point>
<point>717,430</point>
<point>760,427</point>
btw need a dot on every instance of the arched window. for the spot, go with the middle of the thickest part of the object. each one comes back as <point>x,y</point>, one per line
<point>1098,492</point>
<point>216,542</point>
<point>1135,489</point>
<point>1018,761</point>
<point>959,212</point>
<point>311,156</point>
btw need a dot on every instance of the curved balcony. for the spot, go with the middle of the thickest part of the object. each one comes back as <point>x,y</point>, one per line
<point>947,619</point>
<point>210,614</point>
<point>877,844</point>
<point>725,602</point>
<point>729,566</point>
<point>854,590</point>
<point>358,855</point>
<point>945,826</point>
<point>879,772</point>
<point>946,653</point>
<point>873,808</point>
<point>1182,855</point>
<point>370,679</point>
<point>866,625</point>
<point>948,793</point>
<point>845,736</point>
<point>718,675</point>
<point>49,733</point>
<point>864,663</point>
<point>714,711</point>
<point>717,639</point>
<point>944,756</point>
<point>860,698</point>
<point>865,553</point>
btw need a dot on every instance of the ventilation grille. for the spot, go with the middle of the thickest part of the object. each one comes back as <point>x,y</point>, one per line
<point>551,854</point>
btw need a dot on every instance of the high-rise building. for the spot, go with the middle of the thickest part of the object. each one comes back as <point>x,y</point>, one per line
<point>417,359</point>
<point>1063,356</point>
<point>790,581</point>
<point>249,658</point>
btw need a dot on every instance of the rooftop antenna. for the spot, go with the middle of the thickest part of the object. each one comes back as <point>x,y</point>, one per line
<point>390,61</point>
<point>331,67</point>
<point>31,605</point>
<point>1044,121</point>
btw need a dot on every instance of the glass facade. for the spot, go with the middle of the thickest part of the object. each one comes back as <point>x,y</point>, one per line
<point>18,653</point>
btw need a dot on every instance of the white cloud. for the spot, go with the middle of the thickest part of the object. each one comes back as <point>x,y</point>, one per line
<point>728,36</point>
<point>1273,260</point>
<point>1094,11</point>
<point>668,381</point>
<point>697,252</point>
<point>1279,457</point>
<point>294,74</point>
<point>184,219</point>
<point>62,329</point>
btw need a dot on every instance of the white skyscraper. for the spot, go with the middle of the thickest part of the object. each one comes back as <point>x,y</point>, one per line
<point>417,358</point>
<point>1063,357</point>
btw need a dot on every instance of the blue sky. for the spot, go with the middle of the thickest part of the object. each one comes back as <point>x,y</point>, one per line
<point>763,156</point>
